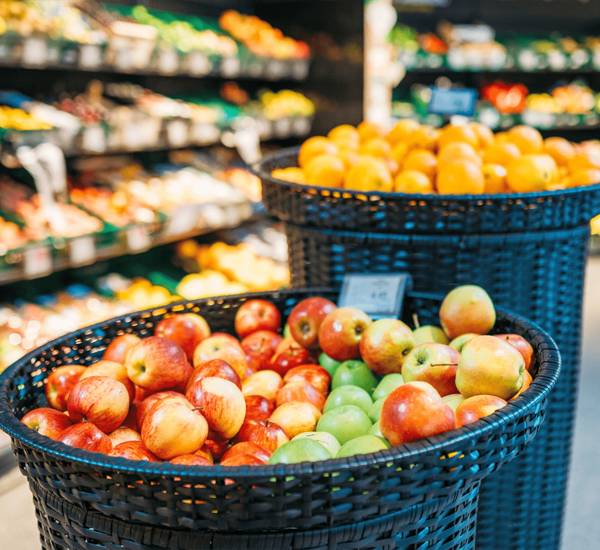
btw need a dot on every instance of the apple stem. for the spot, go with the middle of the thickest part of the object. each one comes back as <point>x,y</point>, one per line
<point>445,365</point>
<point>416,320</point>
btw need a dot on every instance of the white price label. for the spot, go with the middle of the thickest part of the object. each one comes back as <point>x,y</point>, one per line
<point>133,136</point>
<point>90,56</point>
<point>557,60</point>
<point>37,261</point>
<point>264,128</point>
<point>230,67</point>
<point>138,239</point>
<point>183,220</point>
<point>93,139</point>
<point>528,60</point>
<point>283,127</point>
<point>300,69</point>
<point>213,215</point>
<point>275,69</point>
<point>123,60</point>
<point>35,52</point>
<point>301,126</point>
<point>168,62</point>
<point>177,133</point>
<point>198,64</point>
<point>205,133</point>
<point>579,58</point>
<point>82,250</point>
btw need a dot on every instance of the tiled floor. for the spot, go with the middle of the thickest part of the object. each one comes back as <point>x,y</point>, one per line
<point>18,530</point>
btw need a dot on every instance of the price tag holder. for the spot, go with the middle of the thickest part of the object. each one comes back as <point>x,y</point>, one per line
<point>37,261</point>
<point>138,239</point>
<point>82,250</point>
<point>378,295</point>
<point>452,102</point>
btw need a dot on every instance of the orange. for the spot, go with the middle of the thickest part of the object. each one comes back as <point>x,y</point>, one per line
<point>325,170</point>
<point>501,153</point>
<point>313,147</point>
<point>376,147</point>
<point>403,129</point>
<point>583,161</point>
<point>347,142</point>
<point>412,181</point>
<point>392,166</point>
<point>399,151</point>
<point>349,157</point>
<point>588,176</point>
<point>369,130</point>
<point>531,173</point>
<point>495,178</point>
<point>369,174</point>
<point>595,223</point>
<point>502,137</point>
<point>464,134</point>
<point>425,137</point>
<point>294,175</point>
<point>458,150</point>
<point>561,150</point>
<point>460,177</point>
<point>343,132</point>
<point>485,135</point>
<point>527,139</point>
<point>422,161</point>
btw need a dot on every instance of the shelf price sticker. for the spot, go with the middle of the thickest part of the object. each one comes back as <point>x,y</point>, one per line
<point>198,64</point>
<point>82,250</point>
<point>183,220</point>
<point>203,133</point>
<point>452,101</point>
<point>93,139</point>
<point>378,295</point>
<point>275,69</point>
<point>90,56</point>
<point>177,133</point>
<point>168,62</point>
<point>137,238</point>
<point>230,67</point>
<point>35,52</point>
<point>37,261</point>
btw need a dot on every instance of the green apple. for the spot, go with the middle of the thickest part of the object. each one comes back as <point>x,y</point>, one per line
<point>354,373</point>
<point>345,423</point>
<point>461,340</point>
<point>348,395</point>
<point>363,445</point>
<point>387,385</point>
<point>429,333</point>
<point>300,450</point>
<point>374,430</point>
<point>286,331</point>
<point>326,439</point>
<point>375,409</point>
<point>329,364</point>
<point>453,400</point>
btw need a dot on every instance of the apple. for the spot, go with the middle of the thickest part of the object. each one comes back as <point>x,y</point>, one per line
<point>112,370</point>
<point>490,366</point>
<point>131,419</point>
<point>262,432</point>
<point>249,370</point>
<point>363,445</point>
<point>296,417</point>
<point>300,390</point>
<point>326,439</point>
<point>241,459</point>
<point>149,402</point>
<point>173,427</point>
<point>87,437</point>
<point>182,386</point>
<point>345,423</point>
<point>432,363</point>
<point>341,332</point>
<point>527,379</point>
<point>354,373</point>
<point>375,409</point>
<point>228,337</point>
<point>289,354</point>
<point>248,448</point>
<point>258,407</point>
<point>329,364</point>
<point>385,344</point>
<point>313,374</point>
<point>101,400</point>
<point>217,448</point>
<point>387,385</point>
<point>454,400</point>
<point>265,382</point>
<point>157,364</point>
<point>121,435</point>
<point>225,348</point>
<point>459,342</point>
<point>141,394</point>
<point>260,347</point>
<point>429,333</point>
<point>222,404</point>
<point>216,368</point>
<point>186,329</point>
<point>256,315</point>
<point>59,384</point>
<point>476,407</point>
<point>118,349</point>
<point>465,309</point>
<point>46,421</point>
<point>306,318</point>
<point>204,452</point>
<point>286,331</point>
<point>133,450</point>
<point>414,411</point>
<point>348,395</point>
<point>300,450</point>
<point>522,346</point>
<point>374,430</point>
<point>191,460</point>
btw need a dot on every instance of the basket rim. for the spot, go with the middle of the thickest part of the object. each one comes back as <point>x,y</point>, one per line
<point>258,170</point>
<point>447,441</point>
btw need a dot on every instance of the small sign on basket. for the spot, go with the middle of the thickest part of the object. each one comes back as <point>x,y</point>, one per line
<point>453,101</point>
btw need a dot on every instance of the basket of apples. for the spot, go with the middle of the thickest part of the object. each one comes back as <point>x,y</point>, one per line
<point>201,419</point>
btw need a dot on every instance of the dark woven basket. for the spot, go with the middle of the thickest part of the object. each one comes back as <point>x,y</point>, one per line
<point>341,209</point>
<point>305,496</point>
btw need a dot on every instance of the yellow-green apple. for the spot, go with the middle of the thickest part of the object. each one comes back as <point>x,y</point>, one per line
<point>87,437</point>
<point>258,407</point>
<point>191,460</point>
<point>314,374</point>
<point>256,315</point>
<point>296,417</point>
<point>204,452</point>
<point>47,421</point>
<point>118,349</point>
<point>59,384</point>
<point>341,331</point>
<point>433,363</point>
<point>527,379</point>
<point>225,348</point>
<point>222,404</point>
<point>387,385</point>
<point>121,435</point>
<point>174,427</point>
<point>454,400</point>
<point>459,342</point>
<point>329,364</point>
<point>300,450</point>
<point>289,354</point>
<point>522,345</point>
<point>187,329</point>
<point>217,448</point>
<point>490,366</point>
<point>354,373</point>
<point>385,344</point>
<point>262,432</point>
<point>363,445</point>
<point>429,333</point>
<point>345,423</point>
<point>476,407</point>
<point>375,409</point>
<point>300,390</point>
<point>216,368</point>
<point>248,448</point>
<point>133,450</point>
<point>114,370</point>
<point>348,395</point>
<point>101,400</point>
<point>260,347</point>
<point>149,402</point>
<point>374,430</point>
<point>306,318</point>
<point>265,382</point>
<point>157,364</point>
<point>414,411</point>
<point>465,309</point>
<point>324,438</point>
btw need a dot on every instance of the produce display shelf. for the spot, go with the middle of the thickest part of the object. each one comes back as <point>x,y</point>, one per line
<point>504,70</point>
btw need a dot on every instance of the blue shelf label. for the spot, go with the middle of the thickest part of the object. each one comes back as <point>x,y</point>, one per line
<point>452,101</point>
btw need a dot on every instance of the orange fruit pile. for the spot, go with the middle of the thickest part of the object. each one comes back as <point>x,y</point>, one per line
<point>466,159</point>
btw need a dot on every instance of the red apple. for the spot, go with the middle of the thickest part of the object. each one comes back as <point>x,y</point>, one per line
<point>191,460</point>
<point>466,309</point>
<point>101,400</point>
<point>216,368</point>
<point>474,408</point>
<point>341,332</point>
<point>249,370</point>
<point>527,380</point>
<point>59,385</point>
<point>217,448</point>
<point>300,390</point>
<point>265,382</point>
<point>219,347</point>
<point>131,419</point>
<point>306,318</point>
<point>260,347</point>
<point>141,394</point>
<point>433,363</point>
<point>385,344</point>
<point>226,336</point>
<point>414,411</point>
<point>157,364</point>
<point>121,435</point>
<point>204,452</point>
<point>149,402</point>
<point>187,329</point>
<point>258,407</point>
<point>112,370</point>
<point>296,417</point>
<point>118,349</point>
<point>241,460</point>
<point>173,427</point>
<point>522,346</point>
<point>289,354</point>
<point>264,433</point>
<point>247,448</point>
<point>87,437</point>
<point>256,315</point>
<point>48,422</point>
<point>182,386</point>
<point>222,404</point>
<point>133,450</point>
<point>314,374</point>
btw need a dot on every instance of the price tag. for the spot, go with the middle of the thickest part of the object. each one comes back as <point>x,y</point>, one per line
<point>90,56</point>
<point>300,69</point>
<point>230,67</point>
<point>205,133</point>
<point>138,238</point>
<point>183,220</point>
<point>472,33</point>
<point>168,62</point>
<point>93,139</point>
<point>376,294</point>
<point>37,261</point>
<point>579,58</point>
<point>35,52</point>
<point>528,60</point>
<point>283,127</point>
<point>452,101</point>
<point>177,133</point>
<point>557,60</point>
<point>301,126</point>
<point>82,250</point>
<point>133,136</point>
<point>198,64</point>
<point>275,69</point>
<point>123,60</point>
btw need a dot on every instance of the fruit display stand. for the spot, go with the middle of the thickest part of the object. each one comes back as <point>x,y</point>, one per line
<point>417,494</point>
